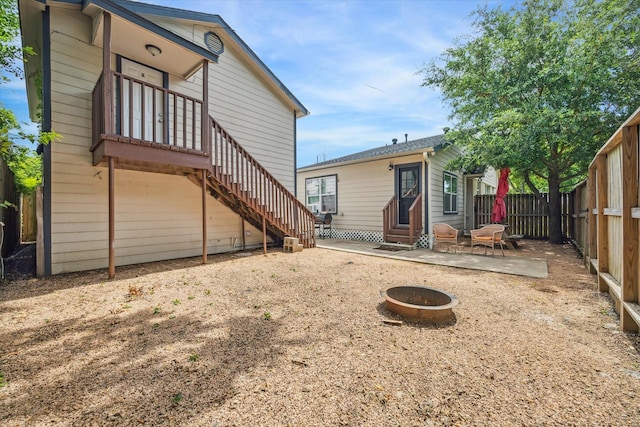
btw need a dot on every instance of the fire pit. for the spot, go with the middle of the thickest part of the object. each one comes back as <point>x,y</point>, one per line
<point>419,303</point>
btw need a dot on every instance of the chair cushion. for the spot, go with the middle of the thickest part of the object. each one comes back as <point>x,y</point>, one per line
<point>488,238</point>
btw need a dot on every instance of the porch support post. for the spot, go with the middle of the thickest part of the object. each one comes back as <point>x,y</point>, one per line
<point>204,216</point>
<point>205,146</point>
<point>427,202</point>
<point>107,83</point>
<point>244,233</point>
<point>264,234</point>
<point>112,220</point>
<point>205,108</point>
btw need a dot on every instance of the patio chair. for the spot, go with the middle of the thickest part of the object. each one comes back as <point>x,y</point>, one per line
<point>489,236</point>
<point>444,233</point>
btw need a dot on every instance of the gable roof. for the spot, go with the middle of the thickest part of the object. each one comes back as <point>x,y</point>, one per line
<point>189,15</point>
<point>139,14</point>
<point>417,145</point>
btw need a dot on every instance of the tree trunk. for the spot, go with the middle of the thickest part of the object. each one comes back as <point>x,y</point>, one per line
<point>555,214</point>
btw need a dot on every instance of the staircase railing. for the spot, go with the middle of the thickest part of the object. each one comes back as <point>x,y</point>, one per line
<point>389,216</point>
<point>415,219</point>
<point>237,171</point>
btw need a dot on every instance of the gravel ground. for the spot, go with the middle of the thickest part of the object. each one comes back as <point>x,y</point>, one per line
<point>300,339</point>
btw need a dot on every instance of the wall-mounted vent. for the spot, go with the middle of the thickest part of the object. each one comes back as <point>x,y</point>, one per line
<point>213,42</point>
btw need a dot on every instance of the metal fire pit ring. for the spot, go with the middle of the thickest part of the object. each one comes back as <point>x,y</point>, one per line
<point>420,304</point>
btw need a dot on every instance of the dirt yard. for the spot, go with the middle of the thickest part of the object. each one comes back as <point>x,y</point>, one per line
<point>300,339</point>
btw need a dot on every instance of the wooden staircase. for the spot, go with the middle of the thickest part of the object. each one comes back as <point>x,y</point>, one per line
<point>238,181</point>
<point>399,234</point>
<point>402,233</point>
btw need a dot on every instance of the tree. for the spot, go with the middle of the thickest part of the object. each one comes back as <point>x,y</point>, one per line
<point>22,161</point>
<point>540,87</point>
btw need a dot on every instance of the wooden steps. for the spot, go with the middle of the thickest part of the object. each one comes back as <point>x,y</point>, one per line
<point>399,235</point>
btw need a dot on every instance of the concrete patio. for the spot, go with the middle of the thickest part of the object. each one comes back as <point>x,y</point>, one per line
<point>517,265</point>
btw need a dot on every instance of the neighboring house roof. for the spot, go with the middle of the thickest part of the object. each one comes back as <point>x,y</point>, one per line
<point>417,145</point>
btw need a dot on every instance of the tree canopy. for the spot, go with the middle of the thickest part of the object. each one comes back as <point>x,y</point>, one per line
<point>541,86</point>
<point>22,161</point>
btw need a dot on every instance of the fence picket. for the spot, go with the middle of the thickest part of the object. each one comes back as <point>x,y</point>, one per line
<point>527,214</point>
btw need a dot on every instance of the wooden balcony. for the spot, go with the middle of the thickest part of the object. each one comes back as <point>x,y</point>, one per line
<point>146,127</point>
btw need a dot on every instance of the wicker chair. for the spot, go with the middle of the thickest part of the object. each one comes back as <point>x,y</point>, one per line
<point>444,233</point>
<point>489,236</point>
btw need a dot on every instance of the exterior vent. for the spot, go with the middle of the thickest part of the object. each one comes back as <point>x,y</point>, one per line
<point>213,42</point>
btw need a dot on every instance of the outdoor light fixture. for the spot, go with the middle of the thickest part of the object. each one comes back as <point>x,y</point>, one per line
<point>153,49</point>
<point>390,166</point>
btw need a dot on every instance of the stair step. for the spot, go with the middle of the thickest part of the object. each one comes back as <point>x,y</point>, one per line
<point>399,231</point>
<point>406,246</point>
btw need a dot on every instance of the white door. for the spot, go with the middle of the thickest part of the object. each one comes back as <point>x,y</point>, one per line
<point>135,91</point>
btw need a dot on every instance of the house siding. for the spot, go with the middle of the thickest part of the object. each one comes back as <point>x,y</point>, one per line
<point>439,166</point>
<point>359,208</point>
<point>158,216</point>
<point>243,103</point>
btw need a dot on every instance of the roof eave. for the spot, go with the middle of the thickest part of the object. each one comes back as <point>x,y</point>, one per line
<point>161,11</point>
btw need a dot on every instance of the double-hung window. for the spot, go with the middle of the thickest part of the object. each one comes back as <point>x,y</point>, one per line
<point>321,194</point>
<point>450,193</point>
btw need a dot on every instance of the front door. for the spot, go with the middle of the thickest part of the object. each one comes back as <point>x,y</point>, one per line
<point>407,189</point>
<point>153,102</point>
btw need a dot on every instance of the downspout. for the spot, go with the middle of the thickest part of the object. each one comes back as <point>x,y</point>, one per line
<point>46,262</point>
<point>427,209</point>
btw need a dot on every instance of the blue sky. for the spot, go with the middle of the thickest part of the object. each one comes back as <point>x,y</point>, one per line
<point>352,63</point>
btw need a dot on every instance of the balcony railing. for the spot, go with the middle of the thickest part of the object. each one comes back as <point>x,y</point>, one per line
<point>143,112</point>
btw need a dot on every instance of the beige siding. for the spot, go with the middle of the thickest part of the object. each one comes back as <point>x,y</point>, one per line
<point>439,166</point>
<point>363,190</point>
<point>490,181</point>
<point>158,216</point>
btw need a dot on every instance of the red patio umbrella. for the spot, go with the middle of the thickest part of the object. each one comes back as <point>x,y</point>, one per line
<point>499,211</point>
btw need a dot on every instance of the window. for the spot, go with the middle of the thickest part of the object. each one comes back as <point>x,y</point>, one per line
<point>321,194</point>
<point>450,184</point>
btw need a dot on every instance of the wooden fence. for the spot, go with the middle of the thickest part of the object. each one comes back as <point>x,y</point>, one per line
<point>527,214</point>
<point>612,247</point>
<point>578,231</point>
<point>29,225</point>
<point>10,214</point>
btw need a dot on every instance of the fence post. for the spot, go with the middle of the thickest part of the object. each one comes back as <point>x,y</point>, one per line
<point>39,233</point>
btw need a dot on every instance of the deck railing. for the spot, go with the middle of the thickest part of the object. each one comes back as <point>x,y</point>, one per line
<point>146,112</point>
<point>242,174</point>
